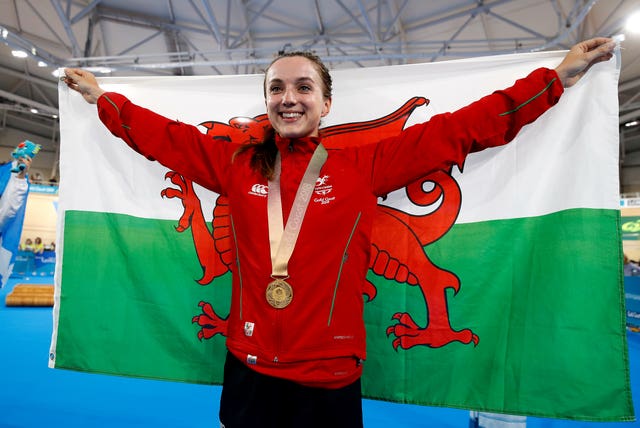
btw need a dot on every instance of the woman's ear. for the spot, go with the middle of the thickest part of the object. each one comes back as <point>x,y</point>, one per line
<point>326,107</point>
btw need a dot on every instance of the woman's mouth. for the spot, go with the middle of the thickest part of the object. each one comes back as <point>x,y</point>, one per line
<point>290,115</point>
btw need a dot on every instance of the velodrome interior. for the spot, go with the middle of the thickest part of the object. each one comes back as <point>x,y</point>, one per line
<point>217,37</point>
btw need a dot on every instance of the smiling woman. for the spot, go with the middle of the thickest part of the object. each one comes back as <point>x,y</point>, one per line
<point>297,95</point>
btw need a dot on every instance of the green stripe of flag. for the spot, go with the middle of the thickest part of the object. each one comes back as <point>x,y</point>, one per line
<point>543,294</point>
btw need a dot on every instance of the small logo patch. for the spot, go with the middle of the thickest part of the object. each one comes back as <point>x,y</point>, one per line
<point>322,187</point>
<point>259,190</point>
<point>342,337</point>
<point>248,328</point>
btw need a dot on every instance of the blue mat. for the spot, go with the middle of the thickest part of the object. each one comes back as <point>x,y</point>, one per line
<point>32,395</point>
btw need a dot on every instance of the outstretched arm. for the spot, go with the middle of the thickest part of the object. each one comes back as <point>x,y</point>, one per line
<point>447,138</point>
<point>581,57</point>
<point>176,145</point>
<point>83,82</point>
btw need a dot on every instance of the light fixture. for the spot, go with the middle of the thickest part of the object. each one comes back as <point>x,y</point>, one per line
<point>632,123</point>
<point>42,64</point>
<point>633,23</point>
<point>34,110</point>
<point>19,53</point>
<point>102,70</point>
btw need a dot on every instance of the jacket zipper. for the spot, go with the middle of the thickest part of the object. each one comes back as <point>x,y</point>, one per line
<point>278,338</point>
<point>344,259</point>
<point>240,288</point>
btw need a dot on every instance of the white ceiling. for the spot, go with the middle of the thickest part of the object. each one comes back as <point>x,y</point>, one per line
<point>186,37</point>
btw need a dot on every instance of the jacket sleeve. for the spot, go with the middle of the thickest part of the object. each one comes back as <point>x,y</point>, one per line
<point>12,199</point>
<point>446,139</point>
<point>176,145</point>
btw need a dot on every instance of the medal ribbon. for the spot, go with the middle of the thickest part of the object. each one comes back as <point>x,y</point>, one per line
<point>283,240</point>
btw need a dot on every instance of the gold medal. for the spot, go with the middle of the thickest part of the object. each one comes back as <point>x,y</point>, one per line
<point>279,293</point>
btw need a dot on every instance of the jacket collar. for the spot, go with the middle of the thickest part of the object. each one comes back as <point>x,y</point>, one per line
<point>304,144</point>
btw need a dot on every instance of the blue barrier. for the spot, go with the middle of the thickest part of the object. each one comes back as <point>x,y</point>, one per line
<point>29,264</point>
<point>632,300</point>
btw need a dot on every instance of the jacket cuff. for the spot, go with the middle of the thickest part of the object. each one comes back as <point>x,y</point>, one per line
<point>110,107</point>
<point>111,100</point>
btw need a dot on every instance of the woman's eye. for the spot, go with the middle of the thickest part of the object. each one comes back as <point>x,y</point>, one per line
<point>275,89</point>
<point>305,88</point>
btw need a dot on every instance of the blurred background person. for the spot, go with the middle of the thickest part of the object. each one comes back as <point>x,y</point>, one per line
<point>631,268</point>
<point>38,246</point>
<point>14,187</point>
<point>27,246</point>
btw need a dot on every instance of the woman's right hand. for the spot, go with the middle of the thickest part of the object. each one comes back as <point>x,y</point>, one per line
<point>83,82</point>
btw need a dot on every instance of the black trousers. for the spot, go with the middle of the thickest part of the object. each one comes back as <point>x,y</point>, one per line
<point>254,400</point>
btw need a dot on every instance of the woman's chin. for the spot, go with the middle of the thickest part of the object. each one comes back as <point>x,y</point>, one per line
<point>289,131</point>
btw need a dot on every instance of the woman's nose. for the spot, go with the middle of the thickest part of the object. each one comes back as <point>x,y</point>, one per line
<point>288,97</point>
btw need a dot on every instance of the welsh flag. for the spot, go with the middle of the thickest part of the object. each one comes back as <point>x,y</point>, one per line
<point>496,289</point>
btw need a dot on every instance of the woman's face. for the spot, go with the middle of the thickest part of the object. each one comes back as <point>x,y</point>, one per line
<point>294,97</point>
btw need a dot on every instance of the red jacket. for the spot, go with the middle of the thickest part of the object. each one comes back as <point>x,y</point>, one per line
<point>319,339</point>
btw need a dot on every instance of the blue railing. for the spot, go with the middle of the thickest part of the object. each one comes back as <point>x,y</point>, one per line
<point>632,301</point>
<point>29,264</point>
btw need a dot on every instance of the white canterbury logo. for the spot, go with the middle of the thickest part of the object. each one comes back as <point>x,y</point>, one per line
<point>259,190</point>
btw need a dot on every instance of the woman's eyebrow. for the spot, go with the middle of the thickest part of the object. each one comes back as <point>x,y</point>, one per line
<point>298,80</point>
<point>305,79</point>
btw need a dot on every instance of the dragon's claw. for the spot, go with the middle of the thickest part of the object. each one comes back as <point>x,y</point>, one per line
<point>176,179</point>
<point>475,339</point>
<point>405,319</point>
<point>170,192</point>
<point>209,321</point>
<point>395,344</point>
<point>409,334</point>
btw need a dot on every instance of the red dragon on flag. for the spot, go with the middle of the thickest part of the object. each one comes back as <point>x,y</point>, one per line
<point>401,260</point>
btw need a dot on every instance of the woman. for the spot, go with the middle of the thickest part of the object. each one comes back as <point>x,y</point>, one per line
<point>296,336</point>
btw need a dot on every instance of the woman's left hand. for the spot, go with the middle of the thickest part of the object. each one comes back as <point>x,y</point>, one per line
<point>582,56</point>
